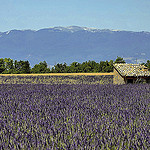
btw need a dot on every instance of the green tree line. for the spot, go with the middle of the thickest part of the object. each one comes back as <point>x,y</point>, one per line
<point>9,66</point>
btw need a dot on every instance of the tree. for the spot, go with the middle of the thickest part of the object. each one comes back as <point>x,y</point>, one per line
<point>21,67</point>
<point>8,63</point>
<point>59,68</point>
<point>93,65</point>
<point>111,65</point>
<point>2,65</point>
<point>75,67</point>
<point>26,67</point>
<point>148,64</point>
<point>119,60</point>
<point>88,66</point>
<point>40,68</point>
<point>102,66</point>
<point>85,67</point>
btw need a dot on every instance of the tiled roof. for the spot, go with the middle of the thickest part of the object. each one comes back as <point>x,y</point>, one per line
<point>132,69</point>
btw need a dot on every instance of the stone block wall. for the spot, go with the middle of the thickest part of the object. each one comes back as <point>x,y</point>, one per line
<point>117,78</point>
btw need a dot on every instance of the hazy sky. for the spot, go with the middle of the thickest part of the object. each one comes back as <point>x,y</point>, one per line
<point>133,15</point>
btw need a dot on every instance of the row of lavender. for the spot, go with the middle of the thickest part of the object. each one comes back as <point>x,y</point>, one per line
<point>68,79</point>
<point>42,116</point>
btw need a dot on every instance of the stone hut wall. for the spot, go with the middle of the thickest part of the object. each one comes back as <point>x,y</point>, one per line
<point>117,78</point>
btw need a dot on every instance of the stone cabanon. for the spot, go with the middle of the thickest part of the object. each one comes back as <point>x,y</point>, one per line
<point>130,73</point>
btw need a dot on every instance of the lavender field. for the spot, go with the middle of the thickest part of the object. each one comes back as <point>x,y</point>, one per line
<point>74,117</point>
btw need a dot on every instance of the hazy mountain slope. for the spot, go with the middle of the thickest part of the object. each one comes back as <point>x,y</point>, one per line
<point>60,44</point>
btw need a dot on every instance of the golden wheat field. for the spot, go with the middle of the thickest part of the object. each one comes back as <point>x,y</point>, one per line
<point>60,74</point>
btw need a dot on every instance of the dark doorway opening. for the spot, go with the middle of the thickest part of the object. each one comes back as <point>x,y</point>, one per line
<point>129,80</point>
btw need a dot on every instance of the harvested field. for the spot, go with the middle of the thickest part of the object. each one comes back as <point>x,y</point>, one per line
<point>57,78</point>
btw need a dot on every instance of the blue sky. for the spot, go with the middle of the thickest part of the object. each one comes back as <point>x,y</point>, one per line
<point>131,15</point>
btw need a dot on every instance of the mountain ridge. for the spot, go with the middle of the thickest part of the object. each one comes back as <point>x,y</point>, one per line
<point>74,43</point>
<point>75,29</point>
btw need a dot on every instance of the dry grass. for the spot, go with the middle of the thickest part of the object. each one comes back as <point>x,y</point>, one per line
<point>60,74</point>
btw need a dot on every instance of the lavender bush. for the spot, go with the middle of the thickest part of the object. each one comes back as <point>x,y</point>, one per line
<point>93,117</point>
